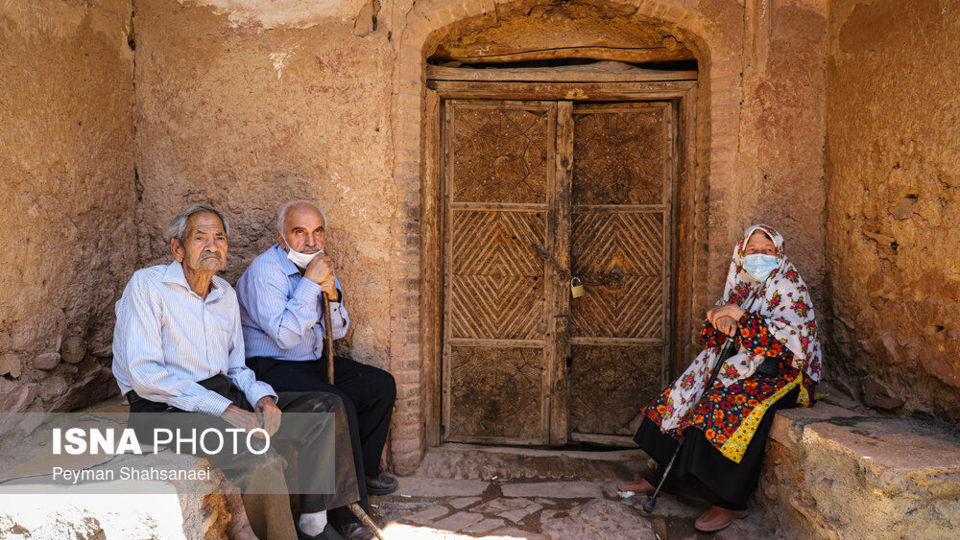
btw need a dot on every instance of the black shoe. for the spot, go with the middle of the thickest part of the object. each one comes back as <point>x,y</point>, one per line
<point>381,484</point>
<point>356,531</point>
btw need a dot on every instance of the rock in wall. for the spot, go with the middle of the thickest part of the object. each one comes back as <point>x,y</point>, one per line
<point>246,111</point>
<point>893,194</point>
<point>67,169</point>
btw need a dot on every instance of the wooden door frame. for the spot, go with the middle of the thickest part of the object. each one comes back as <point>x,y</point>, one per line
<point>682,91</point>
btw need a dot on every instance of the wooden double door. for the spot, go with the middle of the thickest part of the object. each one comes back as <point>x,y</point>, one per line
<point>537,193</point>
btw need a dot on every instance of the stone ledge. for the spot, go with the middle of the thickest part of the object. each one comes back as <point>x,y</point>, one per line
<point>839,470</point>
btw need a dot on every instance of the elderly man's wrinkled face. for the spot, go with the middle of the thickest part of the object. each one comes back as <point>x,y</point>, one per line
<point>204,247</point>
<point>303,229</point>
<point>760,243</point>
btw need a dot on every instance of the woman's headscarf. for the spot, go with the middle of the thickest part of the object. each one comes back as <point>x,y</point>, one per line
<point>784,303</point>
<point>782,300</point>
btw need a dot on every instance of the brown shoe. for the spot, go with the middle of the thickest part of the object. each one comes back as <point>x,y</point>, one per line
<point>717,518</point>
<point>640,487</point>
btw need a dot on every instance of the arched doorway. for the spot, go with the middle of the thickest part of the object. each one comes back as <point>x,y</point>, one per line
<point>548,164</point>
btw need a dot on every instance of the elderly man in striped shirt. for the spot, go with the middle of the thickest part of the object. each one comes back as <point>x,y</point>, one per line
<point>178,347</point>
<point>284,330</point>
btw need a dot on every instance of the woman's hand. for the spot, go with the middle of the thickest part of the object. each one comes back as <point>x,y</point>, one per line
<point>727,325</point>
<point>729,310</point>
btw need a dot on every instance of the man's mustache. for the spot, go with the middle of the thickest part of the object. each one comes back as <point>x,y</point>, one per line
<point>209,255</point>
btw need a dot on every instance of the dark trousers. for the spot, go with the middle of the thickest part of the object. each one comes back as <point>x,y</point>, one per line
<point>700,469</point>
<point>300,442</point>
<point>368,394</point>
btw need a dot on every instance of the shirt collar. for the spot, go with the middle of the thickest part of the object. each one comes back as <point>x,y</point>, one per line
<point>285,262</point>
<point>174,274</point>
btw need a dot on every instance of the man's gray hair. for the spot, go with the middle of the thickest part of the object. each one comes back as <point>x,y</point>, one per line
<point>178,227</point>
<point>282,214</point>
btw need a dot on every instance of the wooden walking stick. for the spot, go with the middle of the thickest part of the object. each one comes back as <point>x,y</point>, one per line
<point>721,358</point>
<point>328,345</point>
<point>366,520</point>
<point>329,340</point>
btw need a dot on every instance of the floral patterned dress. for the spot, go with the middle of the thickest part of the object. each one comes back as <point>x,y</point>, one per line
<point>778,322</point>
<point>728,416</point>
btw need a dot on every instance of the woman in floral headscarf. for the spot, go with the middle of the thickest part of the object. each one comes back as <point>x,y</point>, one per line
<point>767,308</point>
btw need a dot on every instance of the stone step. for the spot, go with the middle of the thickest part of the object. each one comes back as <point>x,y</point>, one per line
<point>838,470</point>
<point>475,462</point>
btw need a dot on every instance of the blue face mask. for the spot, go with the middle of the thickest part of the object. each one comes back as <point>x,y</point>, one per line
<point>759,266</point>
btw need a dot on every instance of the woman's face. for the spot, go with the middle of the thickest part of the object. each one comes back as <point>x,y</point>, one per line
<point>760,243</point>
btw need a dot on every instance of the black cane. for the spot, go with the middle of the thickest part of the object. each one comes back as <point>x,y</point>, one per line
<point>727,346</point>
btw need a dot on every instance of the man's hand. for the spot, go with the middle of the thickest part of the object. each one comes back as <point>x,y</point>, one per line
<point>242,419</point>
<point>729,310</point>
<point>329,287</point>
<point>727,325</point>
<point>268,414</point>
<point>320,271</point>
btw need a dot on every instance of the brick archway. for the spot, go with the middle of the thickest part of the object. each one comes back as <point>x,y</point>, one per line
<point>718,104</point>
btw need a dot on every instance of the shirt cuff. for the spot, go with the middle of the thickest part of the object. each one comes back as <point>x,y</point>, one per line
<point>335,316</point>
<point>307,290</point>
<point>213,404</point>
<point>258,391</point>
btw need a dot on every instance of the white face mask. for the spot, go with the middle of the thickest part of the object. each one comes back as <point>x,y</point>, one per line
<point>759,265</point>
<point>298,258</point>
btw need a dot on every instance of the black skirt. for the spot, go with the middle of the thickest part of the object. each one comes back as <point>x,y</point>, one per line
<point>700,468</point>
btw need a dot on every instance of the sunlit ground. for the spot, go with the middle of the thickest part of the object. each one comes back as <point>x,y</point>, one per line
<point>399,531</point>
<point>68,515</point>
<point>73,515</point>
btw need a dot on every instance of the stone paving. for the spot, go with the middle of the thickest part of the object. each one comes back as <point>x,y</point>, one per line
<point>455,509</point>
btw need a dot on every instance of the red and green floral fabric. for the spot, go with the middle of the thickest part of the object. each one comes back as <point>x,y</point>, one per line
<point>779,322</point>
<point>728,416</point>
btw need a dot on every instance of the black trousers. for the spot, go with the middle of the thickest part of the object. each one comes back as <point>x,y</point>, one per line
<point>700,469</point>
<point>368,394</point>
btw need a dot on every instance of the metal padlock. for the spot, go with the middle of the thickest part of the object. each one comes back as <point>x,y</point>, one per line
<point>576,288</point>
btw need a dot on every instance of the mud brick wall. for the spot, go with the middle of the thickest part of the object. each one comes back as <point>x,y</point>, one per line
<point>66,186</point>
<point>893,192</point>
<point>248,104</point>
<point>246,116</point>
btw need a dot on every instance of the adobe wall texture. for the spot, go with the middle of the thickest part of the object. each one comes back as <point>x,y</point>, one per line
<point>67,170</point>
<point>248,104</point>
<point>246,116</point>
<point>893,246</point>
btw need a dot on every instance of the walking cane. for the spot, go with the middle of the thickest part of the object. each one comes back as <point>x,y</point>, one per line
<point>365,519</point>
<point>329,341</point>
<point>328,345</point>
<point>727,346</point>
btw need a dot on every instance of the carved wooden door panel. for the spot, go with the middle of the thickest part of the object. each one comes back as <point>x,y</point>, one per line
<point>532,191</point>
<point>499,166</point>
<point>623,177</point>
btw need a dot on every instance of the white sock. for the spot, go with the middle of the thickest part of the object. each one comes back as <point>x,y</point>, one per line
<point>313,524</point>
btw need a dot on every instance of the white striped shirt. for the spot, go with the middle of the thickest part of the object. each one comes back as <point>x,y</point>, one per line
<point>167,338</point>
<point>280,310</point>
